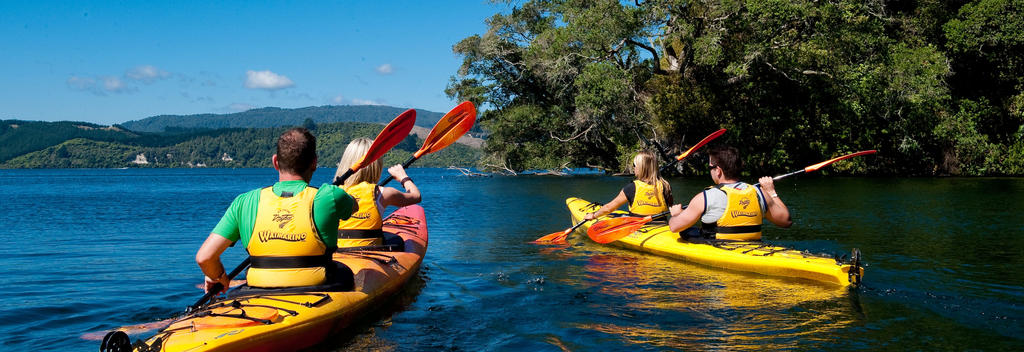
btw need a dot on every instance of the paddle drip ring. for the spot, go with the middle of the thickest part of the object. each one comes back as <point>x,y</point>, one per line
<point>116,341</point>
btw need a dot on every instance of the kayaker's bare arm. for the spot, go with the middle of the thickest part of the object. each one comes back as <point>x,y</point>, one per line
<point>208,258</point>
<point>619,201</point>
<point>682,219</point>
<point>776,211</point>
<point>391,196</point>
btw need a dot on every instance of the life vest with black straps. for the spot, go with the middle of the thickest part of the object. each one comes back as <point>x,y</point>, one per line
<point>364,227</point>
<point>285,247</point>
<point>647,199</point>
<point>743,215</point>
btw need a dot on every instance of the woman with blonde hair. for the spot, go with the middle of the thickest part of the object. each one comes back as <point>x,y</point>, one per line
<point>363,228</point>
<point>648,194</point>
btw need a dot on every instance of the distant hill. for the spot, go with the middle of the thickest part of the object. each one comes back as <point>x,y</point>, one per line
<point>276,117</point>
<point>226,140</point>
<point>231,147</point>
<point>19,137</point>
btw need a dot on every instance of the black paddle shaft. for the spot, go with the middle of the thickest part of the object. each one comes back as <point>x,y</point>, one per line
<point>404,166</point>
<point>218,287</point>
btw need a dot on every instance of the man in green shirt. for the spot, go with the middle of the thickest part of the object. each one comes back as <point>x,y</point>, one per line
<point>295,163</point>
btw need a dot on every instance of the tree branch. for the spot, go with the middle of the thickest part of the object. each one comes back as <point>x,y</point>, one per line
<point>811,72</point>
<point>657,59</point>
<point>578,135</point>
<point>779,71</point>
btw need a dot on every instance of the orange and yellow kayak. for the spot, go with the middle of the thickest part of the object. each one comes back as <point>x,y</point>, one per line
<point>293,319</point>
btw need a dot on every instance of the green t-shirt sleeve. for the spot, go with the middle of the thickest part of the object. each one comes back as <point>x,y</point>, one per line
<point>227,227</point>
<point>331,205</point>
<point>240,213</point>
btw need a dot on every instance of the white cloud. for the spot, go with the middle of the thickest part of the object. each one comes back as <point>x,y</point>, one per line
<point>99,85</point>
<point>385,69</point>
<point>146,74</point>
<point>81,83</point>
<point>114,85</point>
<point>266,80</point>
<point>364,102</point>
<point>338,99</point>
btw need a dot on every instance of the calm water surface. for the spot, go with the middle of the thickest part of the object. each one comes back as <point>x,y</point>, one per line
<point>91,250</point>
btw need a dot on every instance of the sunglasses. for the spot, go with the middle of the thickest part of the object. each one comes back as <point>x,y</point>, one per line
<point>713,166</point>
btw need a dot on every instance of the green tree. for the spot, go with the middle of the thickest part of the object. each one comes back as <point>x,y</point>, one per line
<point>585,82</point>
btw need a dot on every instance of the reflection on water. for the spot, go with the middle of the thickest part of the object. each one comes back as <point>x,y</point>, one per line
<point>730,310</point>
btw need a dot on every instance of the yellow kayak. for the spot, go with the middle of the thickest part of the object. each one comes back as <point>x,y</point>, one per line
<point>748,256</point>
<point>292,319</point>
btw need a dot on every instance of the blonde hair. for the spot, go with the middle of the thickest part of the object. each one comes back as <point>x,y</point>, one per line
<point>355,150</point>
<point>645,168</point>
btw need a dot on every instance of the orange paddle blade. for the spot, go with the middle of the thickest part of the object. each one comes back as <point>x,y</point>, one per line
<point>553,238</point>
<point>449,128</point>
<point>611,230</point>
<point>391,135</point>
<point>700,144</point>
<point>830,161</point>
<point>559,237</point>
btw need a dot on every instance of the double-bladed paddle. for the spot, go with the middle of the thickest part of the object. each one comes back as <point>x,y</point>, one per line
<point>448,129</point>
<point>612,230</point>
<point>561,236</point>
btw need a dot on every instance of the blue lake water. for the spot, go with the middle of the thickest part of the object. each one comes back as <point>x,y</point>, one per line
<point>91,250</point>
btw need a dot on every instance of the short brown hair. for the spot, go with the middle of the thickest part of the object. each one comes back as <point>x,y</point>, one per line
<point>296,150</point>
<point>727,158</point>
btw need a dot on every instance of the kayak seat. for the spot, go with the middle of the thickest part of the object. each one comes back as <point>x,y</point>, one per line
<point>339,279</point>
<point>394,242</point>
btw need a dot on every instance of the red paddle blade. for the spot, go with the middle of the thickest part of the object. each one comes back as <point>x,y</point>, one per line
<point>390,136</point>
<point>611,230</point>
<point>700,144</point>
<point>830,161</point>
<point>449,128</point>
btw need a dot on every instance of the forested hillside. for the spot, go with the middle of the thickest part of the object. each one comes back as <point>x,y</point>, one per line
<point>19,137</point>
<point>936,86</point>
<point>213,148</point>
<point>276,117</point>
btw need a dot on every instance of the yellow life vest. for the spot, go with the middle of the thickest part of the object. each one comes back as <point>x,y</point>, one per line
<point>285,247</point>
<point>364,227</point>
<point>648,199</point>
<point>743,215</point>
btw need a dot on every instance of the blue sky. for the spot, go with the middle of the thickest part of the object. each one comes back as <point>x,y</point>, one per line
<point>110,62</point>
